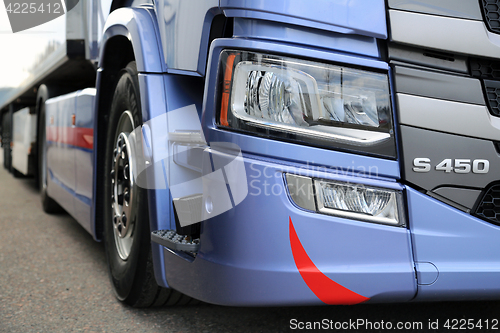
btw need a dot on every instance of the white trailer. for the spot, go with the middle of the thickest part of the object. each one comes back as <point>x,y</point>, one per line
<point>62,58</point>
<point>23,141</point>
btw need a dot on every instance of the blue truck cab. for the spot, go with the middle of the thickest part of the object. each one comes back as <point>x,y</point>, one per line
<point>256,153</point>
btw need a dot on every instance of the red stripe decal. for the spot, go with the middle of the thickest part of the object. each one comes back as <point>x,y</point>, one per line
<point>327,290</point>
<point>76,136</point>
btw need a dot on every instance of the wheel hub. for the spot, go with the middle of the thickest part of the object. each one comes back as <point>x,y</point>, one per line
<point>123,188</point>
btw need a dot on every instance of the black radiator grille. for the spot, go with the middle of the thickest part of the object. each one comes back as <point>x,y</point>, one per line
<point>485,69</point>
<point>489,206</point>
<point>489,71</point>
<point>491,12</point>
<point>493,96</point>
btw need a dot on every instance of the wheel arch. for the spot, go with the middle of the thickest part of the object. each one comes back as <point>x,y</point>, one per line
<point>133,34</point>
<point>106,81</point>
<point>127,37</point>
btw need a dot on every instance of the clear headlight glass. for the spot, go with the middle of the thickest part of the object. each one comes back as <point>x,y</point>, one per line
<point>318,103</point>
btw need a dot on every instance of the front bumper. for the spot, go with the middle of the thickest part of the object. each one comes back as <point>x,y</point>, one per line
<point>246,255</point>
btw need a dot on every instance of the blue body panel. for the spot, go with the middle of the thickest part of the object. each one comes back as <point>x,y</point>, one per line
<point>245,256</point>
<point>69,156</point>
<point>463,249</point>
<point>184,27</point>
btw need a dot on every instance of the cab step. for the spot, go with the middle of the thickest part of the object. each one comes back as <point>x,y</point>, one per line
<point>174,241</point>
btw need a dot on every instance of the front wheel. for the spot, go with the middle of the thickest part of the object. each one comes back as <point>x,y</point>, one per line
<point>126,217</point>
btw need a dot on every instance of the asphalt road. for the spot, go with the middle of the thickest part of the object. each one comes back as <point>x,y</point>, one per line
<point>53,278</point>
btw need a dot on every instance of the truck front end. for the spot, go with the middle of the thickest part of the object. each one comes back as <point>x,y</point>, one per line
<point>368,133</point>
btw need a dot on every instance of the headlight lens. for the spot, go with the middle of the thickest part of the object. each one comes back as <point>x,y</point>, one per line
<point>307,101</point>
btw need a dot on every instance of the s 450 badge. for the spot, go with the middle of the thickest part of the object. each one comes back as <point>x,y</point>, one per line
<point>458,165</point>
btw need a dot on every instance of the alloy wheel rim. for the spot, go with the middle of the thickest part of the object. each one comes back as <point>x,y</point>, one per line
<point>122,184</point>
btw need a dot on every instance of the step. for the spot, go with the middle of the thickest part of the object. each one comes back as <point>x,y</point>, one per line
<point>174,241</point>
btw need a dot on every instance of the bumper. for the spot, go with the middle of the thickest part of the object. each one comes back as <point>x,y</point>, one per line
<point>246,255</point>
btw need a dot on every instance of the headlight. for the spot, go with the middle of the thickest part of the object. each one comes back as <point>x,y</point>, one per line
<point>299,100</point>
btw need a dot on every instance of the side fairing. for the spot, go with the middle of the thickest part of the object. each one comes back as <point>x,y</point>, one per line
<point>98,11</point>
<point>185,25</point>
<point>70,137</point>
<point>360,17</point>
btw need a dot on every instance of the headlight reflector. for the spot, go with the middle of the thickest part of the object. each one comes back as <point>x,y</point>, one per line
<point>301,100</point>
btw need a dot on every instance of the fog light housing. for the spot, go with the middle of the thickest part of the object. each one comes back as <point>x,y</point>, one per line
<point>360,202</point>
<point>348,200</point>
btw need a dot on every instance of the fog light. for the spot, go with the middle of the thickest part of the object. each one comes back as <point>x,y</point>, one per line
<point>360,202</point>
<point>348,200</point>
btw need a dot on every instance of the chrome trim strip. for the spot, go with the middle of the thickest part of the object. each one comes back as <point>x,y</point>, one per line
<point>447,116</point>
<point>444,33</point>
<point>437,85</point>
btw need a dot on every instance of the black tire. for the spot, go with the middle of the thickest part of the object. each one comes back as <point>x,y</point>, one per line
<point>49,205</point>
<point>128,241</point>
<point>17,174</point>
